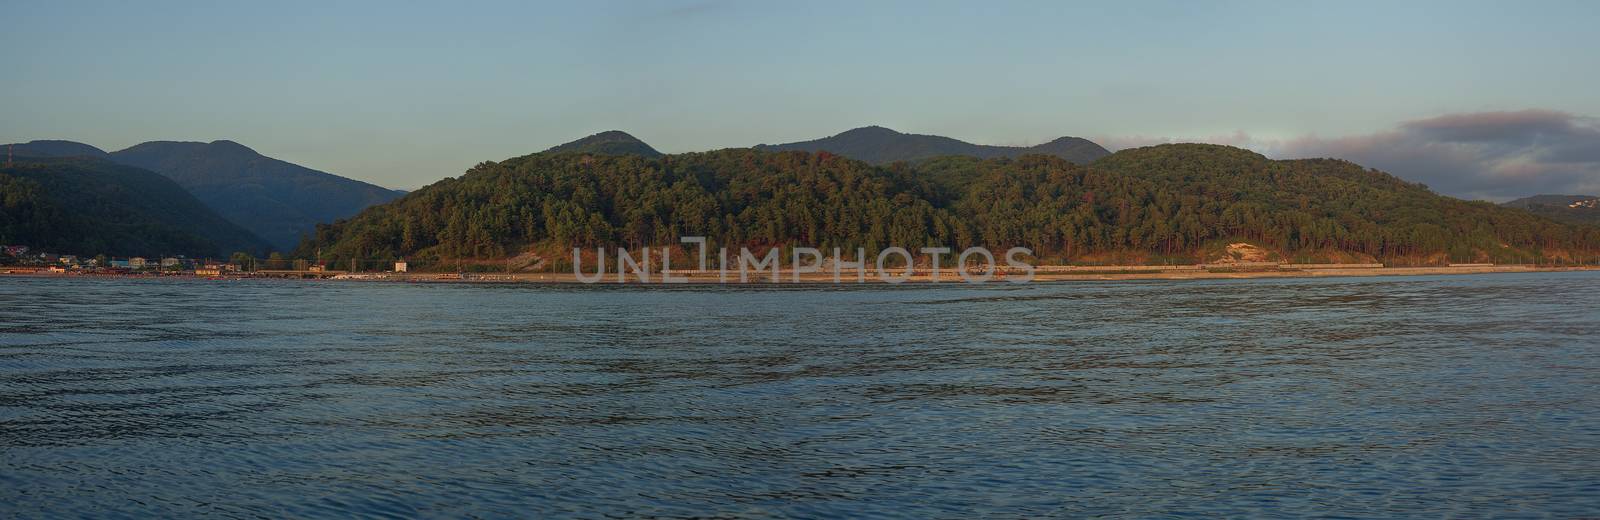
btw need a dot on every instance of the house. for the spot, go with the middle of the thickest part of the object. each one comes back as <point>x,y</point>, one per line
<point>137,262</point>
<point>170,262</point>
<point>120,264</point>
<point>400,267</point>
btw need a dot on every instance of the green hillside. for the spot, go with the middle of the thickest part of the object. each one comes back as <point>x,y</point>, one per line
<point>1171,202</point>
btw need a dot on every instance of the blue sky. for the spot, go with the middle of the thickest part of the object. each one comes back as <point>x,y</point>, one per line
<point>404,93</point>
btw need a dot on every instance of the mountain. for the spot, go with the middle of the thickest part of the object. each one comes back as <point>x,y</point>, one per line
<point>86,206</point>
<point>879,145</point>
<point>54,148</point>
<point>611,142</point>
<point>278,200</point>
<point>1167,203</point>
<point>1575,209</point>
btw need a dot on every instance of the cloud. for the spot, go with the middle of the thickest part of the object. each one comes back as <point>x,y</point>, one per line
<point>1482,155</point>
<point>1485,155</point>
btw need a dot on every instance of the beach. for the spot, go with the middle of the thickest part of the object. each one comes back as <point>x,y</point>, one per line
<point>1043,273</point>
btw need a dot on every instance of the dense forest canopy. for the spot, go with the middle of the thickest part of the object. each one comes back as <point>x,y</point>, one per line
<point>1168,202</point>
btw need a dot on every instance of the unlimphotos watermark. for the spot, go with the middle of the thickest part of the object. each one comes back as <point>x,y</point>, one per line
<point>808,264</point>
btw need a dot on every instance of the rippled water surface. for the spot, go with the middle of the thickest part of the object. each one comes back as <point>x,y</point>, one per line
<point>1475,396</point>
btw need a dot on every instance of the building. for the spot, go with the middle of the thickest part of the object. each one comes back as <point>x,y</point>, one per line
<point>120,264</point>
<point>170,262</point>
<point>137,262</point>
<point>400,267</point>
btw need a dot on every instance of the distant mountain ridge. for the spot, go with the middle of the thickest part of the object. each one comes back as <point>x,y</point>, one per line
<point>879,145</point>
<point>1576,209</point>
<point>54,148</point>
<point>1556,200</point>
<point>277,200</point>
<point>610,142</point>
<point>87,206</point>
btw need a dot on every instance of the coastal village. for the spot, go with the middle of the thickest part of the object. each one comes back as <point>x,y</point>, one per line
<point>21,259</point>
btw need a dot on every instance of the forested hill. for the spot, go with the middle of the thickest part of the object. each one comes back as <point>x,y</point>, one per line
<point>274,199</point>
<point>610,142</point>
<point>88,206</point>
<point>879,145</point>
<point>53,148</point>
<point>278,200</point>
<point>1576,209</point>
<point>1161,203</point>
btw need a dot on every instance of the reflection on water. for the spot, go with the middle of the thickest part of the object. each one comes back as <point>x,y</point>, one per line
<point>1355,397</point>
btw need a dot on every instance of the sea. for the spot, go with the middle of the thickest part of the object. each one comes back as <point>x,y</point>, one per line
<point>1436,396</point>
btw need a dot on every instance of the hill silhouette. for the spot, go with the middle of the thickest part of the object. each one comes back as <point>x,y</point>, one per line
<point>879,145</point>
<point>86,206</point>
<point>278,200</point>
<point>1576,209</point>
<point>610,142</point>
<point>274,199</point>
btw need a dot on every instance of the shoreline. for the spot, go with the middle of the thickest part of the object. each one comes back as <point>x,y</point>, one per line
<point>921,276</point>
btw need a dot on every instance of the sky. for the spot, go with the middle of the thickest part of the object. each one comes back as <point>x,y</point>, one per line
<point>1477,99</point>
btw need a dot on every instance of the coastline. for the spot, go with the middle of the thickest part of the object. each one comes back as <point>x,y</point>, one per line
<point>1044,273</point>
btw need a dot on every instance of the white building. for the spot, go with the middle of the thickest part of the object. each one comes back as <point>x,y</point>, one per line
<point>400,267</point>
